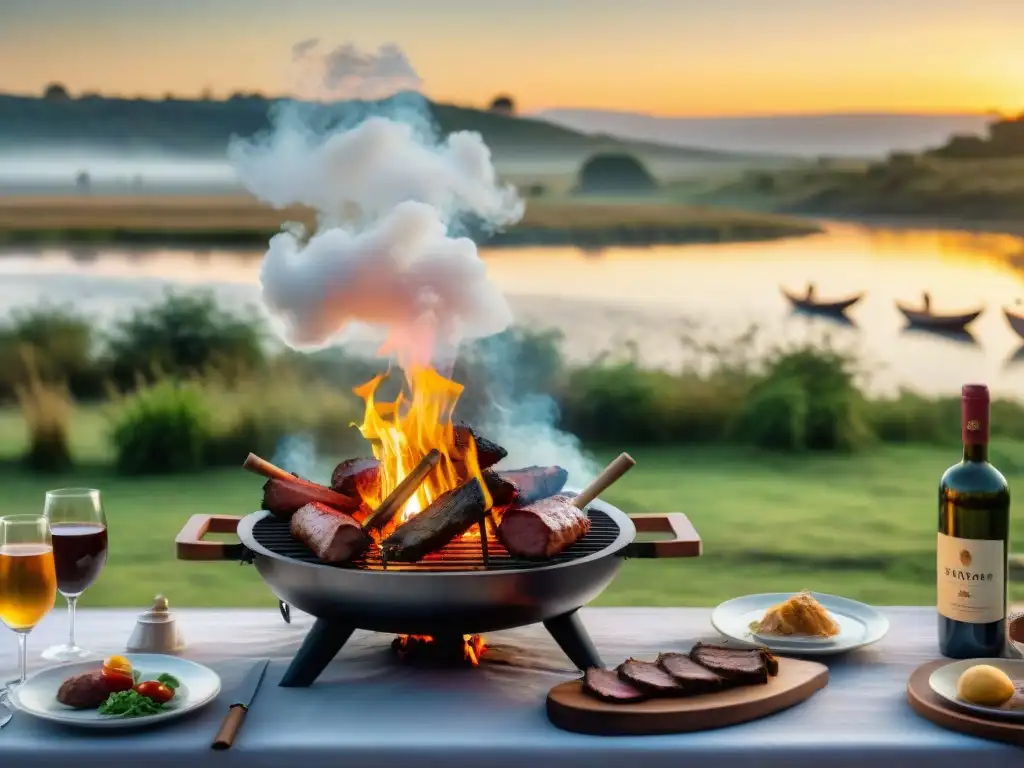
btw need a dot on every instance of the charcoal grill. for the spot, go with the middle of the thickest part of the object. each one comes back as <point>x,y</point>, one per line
<point>449,593</point>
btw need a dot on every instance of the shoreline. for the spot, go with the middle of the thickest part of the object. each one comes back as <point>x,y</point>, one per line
<point>242,222</point>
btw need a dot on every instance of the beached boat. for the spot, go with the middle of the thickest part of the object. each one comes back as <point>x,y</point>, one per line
<point>922,318</point>
<point>821,307</point>
<point>1015,320</point>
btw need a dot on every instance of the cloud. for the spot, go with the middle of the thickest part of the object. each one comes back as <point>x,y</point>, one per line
<point>304,47</point>
<point>349,73</point>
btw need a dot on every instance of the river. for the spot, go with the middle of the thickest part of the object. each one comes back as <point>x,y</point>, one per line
<point>654,297</point>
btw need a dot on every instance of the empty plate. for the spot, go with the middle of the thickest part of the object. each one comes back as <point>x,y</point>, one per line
<point>859,624</point>
<point>944,679</point>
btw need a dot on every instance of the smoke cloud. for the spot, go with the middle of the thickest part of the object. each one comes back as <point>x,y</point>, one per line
<point>348,73</point>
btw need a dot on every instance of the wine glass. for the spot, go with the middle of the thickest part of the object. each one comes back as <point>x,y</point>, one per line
<point>28,579</point>
<point>78,530</point>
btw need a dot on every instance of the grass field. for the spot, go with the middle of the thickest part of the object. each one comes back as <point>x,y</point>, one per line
<point>242,220</point>
<point>860,526</point>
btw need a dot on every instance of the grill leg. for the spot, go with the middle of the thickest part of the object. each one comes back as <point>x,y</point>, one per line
<point>572,637</point>
<point>318,649</point>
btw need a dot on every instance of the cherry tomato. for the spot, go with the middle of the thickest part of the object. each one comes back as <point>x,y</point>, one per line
<point>156,691</point>
<point>116,681</point>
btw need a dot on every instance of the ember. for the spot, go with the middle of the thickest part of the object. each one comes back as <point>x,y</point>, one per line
<point>456,649</point>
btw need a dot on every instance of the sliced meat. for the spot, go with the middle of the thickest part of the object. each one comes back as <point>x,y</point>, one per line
<point>535,483</point>
<point>689,675</point>
<point>503,492</point>
<point>353,477</point>
<point>488,453</point>
<point>283,497</point>
<point>606,685</point>
<point>743,666</point>
<point>544,528</point>
<point>333,536</point>
<point>85,691</point>
<point>649,678</point>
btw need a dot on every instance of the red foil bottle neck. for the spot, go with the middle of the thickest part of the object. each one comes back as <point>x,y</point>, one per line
<point>975,411</point>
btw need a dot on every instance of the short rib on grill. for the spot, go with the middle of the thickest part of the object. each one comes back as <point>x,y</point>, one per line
<point>524,486</point>
<point>449,516</point>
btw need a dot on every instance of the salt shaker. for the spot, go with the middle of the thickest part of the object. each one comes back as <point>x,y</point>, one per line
<point>156,631</point>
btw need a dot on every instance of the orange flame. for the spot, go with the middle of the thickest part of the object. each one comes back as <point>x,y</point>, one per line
<point>404,431</point>
<point>408,645</point>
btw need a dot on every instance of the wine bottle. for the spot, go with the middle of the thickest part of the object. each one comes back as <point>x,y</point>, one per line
<point>974,528</point>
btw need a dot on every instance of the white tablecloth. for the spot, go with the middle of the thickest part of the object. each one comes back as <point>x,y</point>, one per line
<point>369,710</point>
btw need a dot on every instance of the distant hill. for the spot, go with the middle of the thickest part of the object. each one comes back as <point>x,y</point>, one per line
<point>203,127</point>
<point>834,135</point>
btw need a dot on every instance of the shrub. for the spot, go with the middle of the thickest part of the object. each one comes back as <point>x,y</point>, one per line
<point>62,347</point>
<point>183,336</point>
<point>163,428</point>
<point>775,416</point>
<point>47,410</point>
<point>614,172</point>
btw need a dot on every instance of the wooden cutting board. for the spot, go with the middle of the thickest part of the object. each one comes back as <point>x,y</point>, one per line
<point>929,705</point>
<point>571,709</point>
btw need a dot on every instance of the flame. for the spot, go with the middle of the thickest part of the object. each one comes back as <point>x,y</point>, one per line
<point>404,431</point>
<point>408,645</point>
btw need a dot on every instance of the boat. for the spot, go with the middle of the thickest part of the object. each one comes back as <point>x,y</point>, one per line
<point>922,318</point>
<point>1015,320</point>
<point>821,307</point>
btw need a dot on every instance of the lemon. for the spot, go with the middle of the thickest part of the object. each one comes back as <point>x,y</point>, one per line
<point>985,686</point>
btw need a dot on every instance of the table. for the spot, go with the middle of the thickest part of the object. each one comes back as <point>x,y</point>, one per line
<point>368,710</point>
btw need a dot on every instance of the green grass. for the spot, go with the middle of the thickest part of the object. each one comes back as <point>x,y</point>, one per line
<point>862,526</point>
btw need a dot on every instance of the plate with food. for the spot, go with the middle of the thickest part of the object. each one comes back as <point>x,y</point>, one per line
<point>808,623</point>
<point>987,687</point>
<point>127,691</point>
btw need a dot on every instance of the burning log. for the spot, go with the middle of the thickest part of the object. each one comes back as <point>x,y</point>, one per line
<point>524,486</point>
<point>550,526</point>
<point>488,453</point>
<point>285,492</point>
<point>393,504</point>
<point>354,475</point>
<point>333,536</point>
<point>449,516</point>
<point>453,650</point>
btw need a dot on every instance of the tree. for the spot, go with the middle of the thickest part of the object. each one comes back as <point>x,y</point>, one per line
<point>56,92</point>
<point>614,173</point>
<point>503,105</point>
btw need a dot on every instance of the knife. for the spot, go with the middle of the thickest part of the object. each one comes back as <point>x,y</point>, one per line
<point>239,706</point>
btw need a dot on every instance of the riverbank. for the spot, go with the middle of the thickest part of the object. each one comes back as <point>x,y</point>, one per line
<point>241,221</point>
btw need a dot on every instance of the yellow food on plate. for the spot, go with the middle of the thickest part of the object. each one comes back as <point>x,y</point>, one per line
<point>800,615</point>
<point>985,686</point>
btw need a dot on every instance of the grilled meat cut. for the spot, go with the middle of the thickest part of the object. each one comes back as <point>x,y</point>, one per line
<point>535,483</point>
<point>447,517</point>
<point>689,675</point>
<point>649,678</point>
<point>333,536</point>
<point>85,691</point>
<point>544,528</point>
<point>503,492</point>
<point>283,497</point>
<point>354,475</point>
<point>606,685</point>
<point>751,666</point>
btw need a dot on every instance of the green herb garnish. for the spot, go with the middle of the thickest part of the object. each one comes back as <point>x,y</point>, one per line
<point>170,681</point>
<point>129,704</point>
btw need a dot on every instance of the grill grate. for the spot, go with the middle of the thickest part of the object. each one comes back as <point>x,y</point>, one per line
<point>274,534</point>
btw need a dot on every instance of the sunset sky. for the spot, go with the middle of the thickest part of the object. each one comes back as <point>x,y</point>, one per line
<point>669,57</point>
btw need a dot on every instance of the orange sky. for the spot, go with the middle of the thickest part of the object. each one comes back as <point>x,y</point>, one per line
<point>658,56</point>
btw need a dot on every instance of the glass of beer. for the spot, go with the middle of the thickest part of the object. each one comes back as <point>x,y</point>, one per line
<point>78,529</point>
<point>28,579</point>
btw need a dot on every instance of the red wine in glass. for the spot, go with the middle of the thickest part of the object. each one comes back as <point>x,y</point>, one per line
<point>79,553</point>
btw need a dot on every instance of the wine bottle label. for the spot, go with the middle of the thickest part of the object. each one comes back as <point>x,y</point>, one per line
<point>972,586</point>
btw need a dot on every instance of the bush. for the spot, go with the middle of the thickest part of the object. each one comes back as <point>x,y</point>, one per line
<point>47,411</point>
<point>164,428</point>
<point>62,347</point>
<point>183,336</point>
<point>612,173</point>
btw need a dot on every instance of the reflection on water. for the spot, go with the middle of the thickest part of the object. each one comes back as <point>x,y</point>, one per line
<point>835,318</point>
<point>657,296</point>
<point>955,337</point>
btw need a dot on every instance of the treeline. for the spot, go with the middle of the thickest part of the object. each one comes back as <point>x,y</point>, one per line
<point>1005,138</point>
<point>186,384</point>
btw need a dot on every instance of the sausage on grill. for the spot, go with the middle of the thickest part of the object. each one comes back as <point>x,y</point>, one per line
<point>544,528</point>
<point>333,536</point>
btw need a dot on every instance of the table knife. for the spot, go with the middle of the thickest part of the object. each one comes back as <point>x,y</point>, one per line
<point>239,706</point>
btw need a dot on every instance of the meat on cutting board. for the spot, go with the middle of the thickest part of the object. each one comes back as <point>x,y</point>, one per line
<point>544,528</point>
<point>691,676</point>
<point>606,685</point>
<point>333,536</point>
<point>648,677</point>
<point>747,666</point>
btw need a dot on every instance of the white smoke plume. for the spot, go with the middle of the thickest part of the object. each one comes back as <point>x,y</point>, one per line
<point>348,73</point>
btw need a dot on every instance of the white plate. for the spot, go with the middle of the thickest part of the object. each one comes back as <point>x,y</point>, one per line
<point>38,695</point>
<point>944,679</point>
<point>859,624</point>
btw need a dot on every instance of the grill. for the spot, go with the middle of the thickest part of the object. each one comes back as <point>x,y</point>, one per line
<point>273,534</point>
<point>450,593</point>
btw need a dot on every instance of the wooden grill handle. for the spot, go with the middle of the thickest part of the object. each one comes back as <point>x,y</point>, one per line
<point>620,466</point>
<point>685,541</point>
<point>189,544</point>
